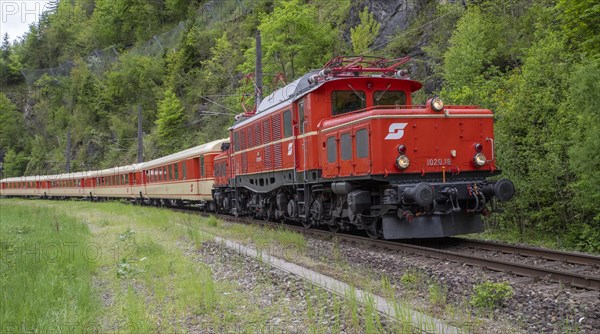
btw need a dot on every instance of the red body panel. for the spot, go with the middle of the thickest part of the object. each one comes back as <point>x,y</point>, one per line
<point>434,141</point>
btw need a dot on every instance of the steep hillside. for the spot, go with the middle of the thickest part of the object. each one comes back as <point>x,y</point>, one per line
<point>90,64</point>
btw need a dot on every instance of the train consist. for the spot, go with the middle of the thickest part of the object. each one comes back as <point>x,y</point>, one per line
<point>341,147</point>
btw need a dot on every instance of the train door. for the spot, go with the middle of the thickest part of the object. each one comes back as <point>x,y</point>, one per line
<point>299,140</point>
<point>130,183</point>
<point>145,178</point>
<point>362,158</point>
<point>346,162</point>
<point>196,174</point>
<point>330,161</point>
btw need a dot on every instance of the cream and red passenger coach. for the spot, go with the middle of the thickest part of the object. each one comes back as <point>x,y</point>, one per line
<point>183,177</point>
<point>186,176</point>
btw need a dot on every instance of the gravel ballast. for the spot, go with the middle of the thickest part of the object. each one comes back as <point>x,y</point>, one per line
<point>536,306</point>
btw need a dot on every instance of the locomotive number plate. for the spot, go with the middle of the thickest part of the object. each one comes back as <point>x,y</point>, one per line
<point>439,162</point>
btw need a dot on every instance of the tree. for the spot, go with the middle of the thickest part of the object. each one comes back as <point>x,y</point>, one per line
<point>293,40</point>
<point>467,61</point>
<point>5,48</point>
<point>11,125</point>
<point>583,103</point>
<point>170,122</point>
<point>365,33</point>
<point>15,163</point>
<point>220,68</point>
<point>531,140</point>
<point>581,24</point>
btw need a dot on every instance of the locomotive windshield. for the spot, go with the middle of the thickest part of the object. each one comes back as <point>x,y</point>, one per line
<point>343,101</point>
<point>389,98</point>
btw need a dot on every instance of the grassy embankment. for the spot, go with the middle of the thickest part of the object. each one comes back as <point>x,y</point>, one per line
<point>82,267</point>
<point>132,269</point>
<point>46,281</point>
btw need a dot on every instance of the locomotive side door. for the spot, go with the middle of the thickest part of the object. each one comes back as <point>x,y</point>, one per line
<point>362,154</point>
<point>330,156</point>
<point>346,161</point>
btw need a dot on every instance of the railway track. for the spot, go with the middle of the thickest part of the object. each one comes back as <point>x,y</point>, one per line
<point>541,272</point>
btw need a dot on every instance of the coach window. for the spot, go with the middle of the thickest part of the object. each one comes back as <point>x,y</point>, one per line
<point>343,101</point>
<point>170,169</point>
<point>346,147</point>
<point>331,149</point>
<point>176,171</point>
<point>184,170</point>
<point>287,123</point>
<point>389,98</point>
<point>362,143</point>
<point>301,116</point>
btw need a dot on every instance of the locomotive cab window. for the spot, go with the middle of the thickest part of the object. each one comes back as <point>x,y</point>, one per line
<point>362,143</point>
<point>331,149</point>
<point>346,147</point>
<point>236,141</point>
<point>389,98</point>
<point>343,101</point>
<point>287,123</point>
<point>301,116</point>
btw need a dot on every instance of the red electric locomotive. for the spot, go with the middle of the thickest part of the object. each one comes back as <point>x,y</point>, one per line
<point>344,147</point>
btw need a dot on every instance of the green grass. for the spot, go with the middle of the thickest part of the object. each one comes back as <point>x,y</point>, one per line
<point>146,272</point>
<point>46,263</point>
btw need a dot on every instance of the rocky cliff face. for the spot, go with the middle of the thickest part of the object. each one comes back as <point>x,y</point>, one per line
<point>393,15</point>
<point>397,19</point>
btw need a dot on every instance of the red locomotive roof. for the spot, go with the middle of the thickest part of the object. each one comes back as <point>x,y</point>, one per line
<point>285,96</point>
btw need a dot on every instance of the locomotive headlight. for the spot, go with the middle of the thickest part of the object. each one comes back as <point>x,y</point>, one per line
<point>437,104</point>
<point>402,162</point>
<point>479,159</point>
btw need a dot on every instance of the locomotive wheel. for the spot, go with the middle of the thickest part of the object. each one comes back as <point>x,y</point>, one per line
<point>316,214</point>
<point>373,229</point>
<point>307,223</point>
<point>268,213</point>
<point>335,227</point>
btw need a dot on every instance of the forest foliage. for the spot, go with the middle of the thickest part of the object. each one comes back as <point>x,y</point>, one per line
<point>536,63</point>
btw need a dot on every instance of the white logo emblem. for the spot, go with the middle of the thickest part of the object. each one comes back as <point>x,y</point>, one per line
<point>290,148</point>
<point>396,131</point>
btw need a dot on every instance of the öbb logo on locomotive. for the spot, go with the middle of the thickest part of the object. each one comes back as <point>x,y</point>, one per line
<point>342,147</point>
<point>396,131</point>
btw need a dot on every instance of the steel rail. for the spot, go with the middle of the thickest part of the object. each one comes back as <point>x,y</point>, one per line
<point>573,279</point>
<point>548,254</point>
<point>567,278</point>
